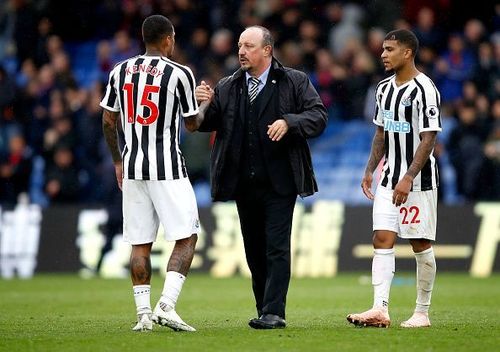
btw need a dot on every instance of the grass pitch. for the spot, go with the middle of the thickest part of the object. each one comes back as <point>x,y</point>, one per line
<point>65,313</point>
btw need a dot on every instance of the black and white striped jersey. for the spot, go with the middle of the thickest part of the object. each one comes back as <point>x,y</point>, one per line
<point>151,93</point>
<point>404,112</point>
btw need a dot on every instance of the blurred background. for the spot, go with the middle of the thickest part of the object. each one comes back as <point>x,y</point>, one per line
<point>55,57</point>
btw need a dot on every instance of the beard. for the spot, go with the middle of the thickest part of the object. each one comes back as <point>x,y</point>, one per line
<point>245,66</point>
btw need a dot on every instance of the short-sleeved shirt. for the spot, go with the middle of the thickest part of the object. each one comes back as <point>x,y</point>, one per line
<point>404,112</point>
<point>151,93</point>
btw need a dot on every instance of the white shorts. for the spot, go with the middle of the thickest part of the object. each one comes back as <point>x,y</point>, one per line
<point>146,203</point>
<point>416,218</point>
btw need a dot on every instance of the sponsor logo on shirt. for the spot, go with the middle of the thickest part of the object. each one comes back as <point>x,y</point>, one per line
<point>394,126</point>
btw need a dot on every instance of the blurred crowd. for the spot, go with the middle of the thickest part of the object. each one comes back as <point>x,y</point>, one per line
<point>51,145</point>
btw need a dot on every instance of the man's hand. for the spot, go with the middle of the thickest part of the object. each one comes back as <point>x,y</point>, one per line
<point>119,173</point>
<point>401,191</point>
<point>204,95</point>
<point>277,130</point>
<point>366,185</point>
<point>203,92</point>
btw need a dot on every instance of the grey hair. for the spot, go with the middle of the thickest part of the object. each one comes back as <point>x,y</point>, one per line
<point>267,38</point>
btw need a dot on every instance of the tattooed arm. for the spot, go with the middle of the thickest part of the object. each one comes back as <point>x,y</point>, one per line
<point>422,154</point>
<point>192,123</point>
<point>109,129</point>
<point>377,152</point>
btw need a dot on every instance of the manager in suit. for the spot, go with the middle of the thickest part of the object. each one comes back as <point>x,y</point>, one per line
<point>263,115</point>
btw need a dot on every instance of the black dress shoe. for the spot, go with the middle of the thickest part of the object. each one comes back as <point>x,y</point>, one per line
<point>268,321</point>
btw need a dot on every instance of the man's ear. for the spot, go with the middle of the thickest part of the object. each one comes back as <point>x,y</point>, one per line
<point>408,53</point>
<point>268,50</point>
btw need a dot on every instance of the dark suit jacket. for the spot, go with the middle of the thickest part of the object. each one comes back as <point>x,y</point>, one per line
<point>288,95</point>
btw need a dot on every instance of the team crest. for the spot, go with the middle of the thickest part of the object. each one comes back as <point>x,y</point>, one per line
<point>432,111</point>
<point>406,101</point>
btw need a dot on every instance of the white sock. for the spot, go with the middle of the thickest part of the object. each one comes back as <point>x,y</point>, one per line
<point>172,288</point>
<point>383,266</point>
<point>426,273</point>
<point>142,295</point>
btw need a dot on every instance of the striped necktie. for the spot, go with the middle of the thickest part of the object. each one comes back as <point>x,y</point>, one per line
<point>253,85</point>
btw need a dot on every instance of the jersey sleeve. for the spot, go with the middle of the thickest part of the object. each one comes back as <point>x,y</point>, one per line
<point>186,86</point>
<point>429,111</point>
<point>377,118</point>
<point>110,99</point>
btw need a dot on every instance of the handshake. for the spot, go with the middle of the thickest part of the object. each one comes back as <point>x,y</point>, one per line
<point>204,93</point>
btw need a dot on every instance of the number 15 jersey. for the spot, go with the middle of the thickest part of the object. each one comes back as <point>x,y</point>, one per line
<point>151,93</point>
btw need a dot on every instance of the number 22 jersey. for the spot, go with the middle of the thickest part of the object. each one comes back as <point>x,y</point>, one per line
<point>404,112</point>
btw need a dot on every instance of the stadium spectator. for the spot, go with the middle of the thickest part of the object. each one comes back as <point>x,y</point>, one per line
<point>63,76</point>
<point>465,147</point>
<point>374,40</point>
<point>378,14</point>
<point>41,56</point>
<point>90,146</point>
<point>220,57</point>
<point>25,32</point>
<point>123,47</point>
<point>328,78</point>
<point>487,72</point>
<point>7,19</point>
<point>7,96</point>
<point>15,170</point>
<point>426,30</point>
<point>474,34</point>
<point>262,161</point>
<point>109,15</point>
<point>491,172</point>
<point>359,80</point>
<point>292,53</point>
<point>426,59</point>
<point>348,29</point>
<point>196,49</point>
<point>454,67</point>
<point>60,132</point>
<point>26,74</point>
<point>54,45</point>
<point>104,59</point>
<point>309,40</point>
<point>61,178</point>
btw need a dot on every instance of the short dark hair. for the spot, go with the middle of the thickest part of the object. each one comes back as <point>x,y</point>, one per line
<point>404,37</point>
<point>155,27</point>
<point>267,38</point>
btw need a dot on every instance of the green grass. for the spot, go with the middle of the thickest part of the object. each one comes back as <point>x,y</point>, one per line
<point>65,313</point>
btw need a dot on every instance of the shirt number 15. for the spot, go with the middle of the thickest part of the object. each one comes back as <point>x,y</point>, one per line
<point>146,101</point>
